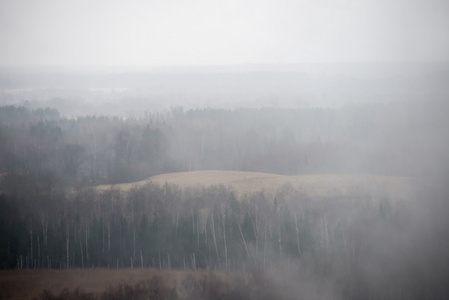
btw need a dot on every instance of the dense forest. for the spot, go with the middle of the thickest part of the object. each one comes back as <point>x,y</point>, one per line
<point>44,150</point>
<point>52,215</point>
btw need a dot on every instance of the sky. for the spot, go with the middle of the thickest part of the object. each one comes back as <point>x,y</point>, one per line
<point>210,32</point>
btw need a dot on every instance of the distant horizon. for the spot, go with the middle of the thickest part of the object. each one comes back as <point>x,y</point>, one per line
<point>125,68</point>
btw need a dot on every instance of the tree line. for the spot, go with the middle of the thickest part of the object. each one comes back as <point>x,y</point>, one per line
<point>42,150</point>
<point>362,244</point>
<point>162,227</point>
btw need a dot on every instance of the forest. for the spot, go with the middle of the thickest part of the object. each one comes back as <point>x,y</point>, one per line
<point>352,245</point>
<point>46,151</point>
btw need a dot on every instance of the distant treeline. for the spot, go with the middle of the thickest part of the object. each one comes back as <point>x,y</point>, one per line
<point>40,150</point>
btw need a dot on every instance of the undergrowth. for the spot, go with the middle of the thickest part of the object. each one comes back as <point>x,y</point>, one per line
<point>210,286</point>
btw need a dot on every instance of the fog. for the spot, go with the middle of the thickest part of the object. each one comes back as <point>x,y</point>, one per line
<point>66,135</point>
<point>106,91</point>
<point>347,101</point>
<point>154,33</point>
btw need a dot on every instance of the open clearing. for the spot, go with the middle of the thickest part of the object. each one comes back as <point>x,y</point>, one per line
<point>394,187</point>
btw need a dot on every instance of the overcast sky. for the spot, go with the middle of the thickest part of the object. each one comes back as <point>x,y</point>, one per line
<point>209,32</point>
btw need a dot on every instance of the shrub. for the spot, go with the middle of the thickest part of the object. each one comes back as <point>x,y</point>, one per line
<point>65,294</point>
<point>153,289</point>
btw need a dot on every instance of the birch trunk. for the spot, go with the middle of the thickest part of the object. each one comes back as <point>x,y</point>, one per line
<point>81,250</point>
<point>297,236</point>
<point>225,245</point>
<point>244,241</point>
<point>31,242</point>
<point>68,246</point>
<point>213,236</point>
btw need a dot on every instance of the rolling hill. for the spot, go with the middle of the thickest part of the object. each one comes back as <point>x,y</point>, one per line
<point>393,187</point>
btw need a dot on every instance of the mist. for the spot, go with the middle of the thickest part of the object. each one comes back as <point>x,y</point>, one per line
<point>348,196</point>
<point>241,150</point>
<point>200,33</point>
<point>107,90</point>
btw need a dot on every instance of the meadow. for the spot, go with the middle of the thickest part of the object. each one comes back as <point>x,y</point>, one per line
<point>316,185</point>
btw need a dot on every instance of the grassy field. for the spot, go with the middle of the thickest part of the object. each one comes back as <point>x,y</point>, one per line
<point>26,284</point>
<point>393,187</point>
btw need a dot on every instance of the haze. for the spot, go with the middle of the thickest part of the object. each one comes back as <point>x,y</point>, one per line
<point>154,33</point>
<point>224,149</point>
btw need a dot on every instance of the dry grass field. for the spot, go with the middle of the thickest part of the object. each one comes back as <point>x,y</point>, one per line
<point>393,187</point>
<point>26,284</point>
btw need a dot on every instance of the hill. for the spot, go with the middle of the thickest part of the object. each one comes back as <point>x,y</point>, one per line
<point>394,187</point>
